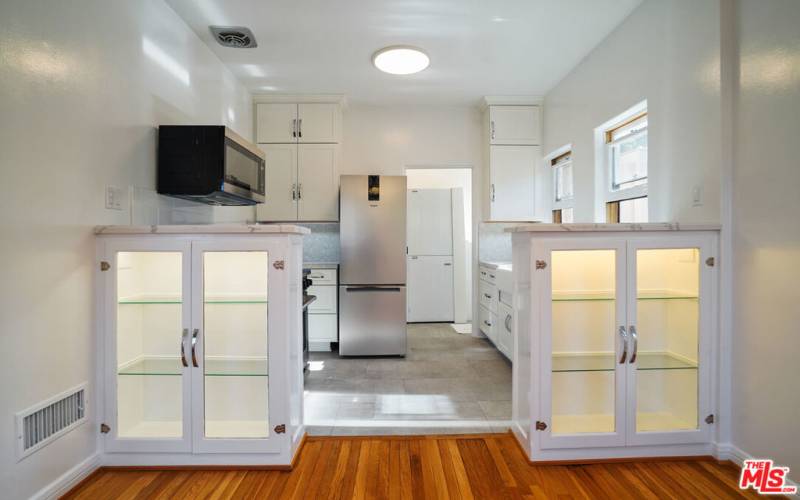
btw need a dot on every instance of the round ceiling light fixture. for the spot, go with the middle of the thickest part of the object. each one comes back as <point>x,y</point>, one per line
<point>400,60</point>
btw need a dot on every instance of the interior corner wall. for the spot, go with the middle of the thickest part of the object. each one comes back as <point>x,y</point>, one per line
<point>82,88</point>
<point>766,233</point>
<point>665,52</point>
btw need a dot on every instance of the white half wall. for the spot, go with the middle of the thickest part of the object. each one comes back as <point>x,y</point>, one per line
<point>82,89</point>
<point>665,52</point>
<point>766,233</point>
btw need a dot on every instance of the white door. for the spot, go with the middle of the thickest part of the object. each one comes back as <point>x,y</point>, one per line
<point>239,365</point>
<point>147,346</point>
<point>280,200</point>
<point>318,182</point>
<point>318,123</point>
<point>583,356</point>
<point>430,288</point>
<point>669,323</point>
<point>276,123</point>
<point>514,125</point>
<point>512,174</point>
<point>430,222</point>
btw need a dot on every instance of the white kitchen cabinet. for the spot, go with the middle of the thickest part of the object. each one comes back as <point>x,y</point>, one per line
<point>202,344</point>
<point>430,278</point>
<point>302,183</point>
<point>323,319</point>
<point>494,303</point>
<point>623,325</point>
<point>504,328</point>
<point>304,123</point>
<point>514,125</point>
<point>322,329</point>
<point>430,222</point>
<point>512,187</point>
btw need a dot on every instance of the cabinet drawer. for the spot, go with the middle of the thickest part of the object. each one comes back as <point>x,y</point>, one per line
<point>487,323</point>
<point>488,296</point>
<point>323,276</point>
<point>322,327</point>
<point>326,299</point>
<point>488,274</point>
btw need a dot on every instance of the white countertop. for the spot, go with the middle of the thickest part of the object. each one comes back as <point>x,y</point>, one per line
<point>205,229</point>
<point>503,266</point>
<point>575,228</point>
<point>321,265</point>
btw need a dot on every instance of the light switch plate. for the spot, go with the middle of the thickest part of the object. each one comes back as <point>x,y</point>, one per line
<point>114,197</point>
<point>697,196</point>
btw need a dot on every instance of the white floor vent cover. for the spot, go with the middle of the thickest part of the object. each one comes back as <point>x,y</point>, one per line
<point>43,423</point>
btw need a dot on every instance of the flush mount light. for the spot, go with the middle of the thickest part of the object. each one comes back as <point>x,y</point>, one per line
<point>400,60</point>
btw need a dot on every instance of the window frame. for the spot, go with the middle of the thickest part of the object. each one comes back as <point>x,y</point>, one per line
<point>551,161</point>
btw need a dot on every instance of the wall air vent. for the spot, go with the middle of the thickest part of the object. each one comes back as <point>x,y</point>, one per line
<point>43,423</point>
<point>237,37</point>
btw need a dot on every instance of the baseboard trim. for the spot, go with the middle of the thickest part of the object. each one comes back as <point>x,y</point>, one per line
<point>69,480</point>
<point>728,451</point>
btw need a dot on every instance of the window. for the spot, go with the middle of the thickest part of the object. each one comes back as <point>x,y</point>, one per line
<point>626,167</point>
<point>562,188</point>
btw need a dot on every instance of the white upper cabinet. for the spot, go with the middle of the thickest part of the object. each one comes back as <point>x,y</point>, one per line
<point>318,182</point>
<point>307,123</point>
<point>276,123</point>
<point>280,200</point>
<point>515,125</point>
<point>512,182</point>
<point>318,123</point>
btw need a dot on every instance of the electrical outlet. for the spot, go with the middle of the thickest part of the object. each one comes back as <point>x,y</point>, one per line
<point>114,196</point>
<point>697,196</point>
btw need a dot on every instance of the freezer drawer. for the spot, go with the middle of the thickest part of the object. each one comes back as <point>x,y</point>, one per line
<point>372,320</point>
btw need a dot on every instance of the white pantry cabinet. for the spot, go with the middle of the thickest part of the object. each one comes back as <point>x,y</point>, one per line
<point>304,123</point>
<point>616,332</point>
<point>514,125</point>
<point>202,344</point>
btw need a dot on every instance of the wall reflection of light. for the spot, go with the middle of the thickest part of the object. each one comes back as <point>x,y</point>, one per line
<point>231,115</point>
<point>254,70</point>
<point>36,59</point>
<point>157,55</point>
<point>774,70</point>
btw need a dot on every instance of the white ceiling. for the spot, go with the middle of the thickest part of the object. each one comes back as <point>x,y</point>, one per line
<point>477,47</point>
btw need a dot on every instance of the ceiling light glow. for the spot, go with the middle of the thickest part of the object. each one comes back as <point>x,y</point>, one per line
<point>400,60</point>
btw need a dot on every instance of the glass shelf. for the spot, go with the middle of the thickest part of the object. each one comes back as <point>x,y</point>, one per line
<point>178,301</point>
<point>215,367</point>
<point>606,362</point>
<point>589,296</point>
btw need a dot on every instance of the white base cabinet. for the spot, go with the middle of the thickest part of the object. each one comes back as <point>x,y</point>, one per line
<point>495,319</point>
<point>202,344</point>
<point>323,313</point>
<point>615,339</point>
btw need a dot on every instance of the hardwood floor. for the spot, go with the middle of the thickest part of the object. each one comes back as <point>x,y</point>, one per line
<point>410,467</point>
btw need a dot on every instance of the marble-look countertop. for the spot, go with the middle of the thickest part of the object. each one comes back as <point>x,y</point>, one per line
<point>321,265</point>
<point>577,228</point>
<point>205,229</point>
<point>503,266</point>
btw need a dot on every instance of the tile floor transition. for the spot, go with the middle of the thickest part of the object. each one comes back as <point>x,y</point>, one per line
<point>448,383</point>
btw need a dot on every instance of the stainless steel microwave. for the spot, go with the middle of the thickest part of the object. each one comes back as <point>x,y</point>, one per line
<point>209,164</point>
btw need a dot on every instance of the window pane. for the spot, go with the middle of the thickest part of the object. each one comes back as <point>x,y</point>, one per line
<point>629,162</point>
<point>634,210</point>
<point>563,181</point>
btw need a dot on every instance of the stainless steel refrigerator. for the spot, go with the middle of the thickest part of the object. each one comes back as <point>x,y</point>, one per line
<point>372,281</point>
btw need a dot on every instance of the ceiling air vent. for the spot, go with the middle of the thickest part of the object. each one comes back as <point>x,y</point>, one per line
<point>237,37</point>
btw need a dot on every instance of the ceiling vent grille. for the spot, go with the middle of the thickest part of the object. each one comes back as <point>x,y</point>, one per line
<point>43,423</point>
<point>237,37</point>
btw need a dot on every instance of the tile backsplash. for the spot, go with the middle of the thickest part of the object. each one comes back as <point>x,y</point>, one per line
<point>322,245</point>
<point>494,244</point>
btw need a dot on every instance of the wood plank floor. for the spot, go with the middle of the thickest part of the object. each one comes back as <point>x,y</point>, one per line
<point>411,467</point>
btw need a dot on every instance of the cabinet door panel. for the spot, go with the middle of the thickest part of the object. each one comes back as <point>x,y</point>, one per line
<point>275,123</point>
<point>322,327</point>
<point>281,183</point>
<point>318,123</point>
<point>326,299</point>
<point>512,177</point>
<point>430,288</point>
<point>514,125</point>
<point>430,222</point>
<point>318,182</point>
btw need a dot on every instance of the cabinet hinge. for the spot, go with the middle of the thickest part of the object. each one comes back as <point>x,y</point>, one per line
<point>280,429</point>
<point>540,264</point>
<point>104,266</point>
<point>540,426</point>
<point>710,419</point>
<point>278,264</point>
<point>710,262</point>
<point>104,429</point>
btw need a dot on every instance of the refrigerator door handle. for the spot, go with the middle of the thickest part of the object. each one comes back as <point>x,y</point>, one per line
<point>372,289</point>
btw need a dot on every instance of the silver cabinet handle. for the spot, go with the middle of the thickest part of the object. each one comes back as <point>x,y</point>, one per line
<point>491,276</point>
<point>194,346</point>
<point>624,335</point>
<point>300,191</point>
<point>316,276</point>
<point>493,191</point>
<point>492,127</point>
<point>294,127</point>
<point>183,346</point>
<point>635,338</point>
<point>487,323</point>
<point>508,322</point>
<point>294,192</point>
<point>300,127</point>
<point>487,295</point>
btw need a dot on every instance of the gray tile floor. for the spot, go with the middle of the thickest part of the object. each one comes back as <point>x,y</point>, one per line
<point>448,383</point>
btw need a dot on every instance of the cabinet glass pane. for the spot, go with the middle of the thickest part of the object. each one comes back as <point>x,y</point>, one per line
<point>667,360</point>
<point>235,340</point>
<point>149,319</point>
<point>583,340</point>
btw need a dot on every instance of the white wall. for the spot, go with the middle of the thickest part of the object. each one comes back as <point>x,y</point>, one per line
<point>667,52</point>
<point>766,233</point>
<point>81,89</point>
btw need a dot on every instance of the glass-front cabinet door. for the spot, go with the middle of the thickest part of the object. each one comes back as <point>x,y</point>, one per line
<point>147,314</point>
<point>668,313</point>
<point>582,305</point>
<point>235,388</point>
